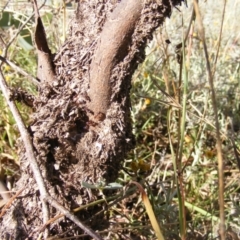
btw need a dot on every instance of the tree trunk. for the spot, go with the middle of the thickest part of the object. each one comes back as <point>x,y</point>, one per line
<point>81,129</point>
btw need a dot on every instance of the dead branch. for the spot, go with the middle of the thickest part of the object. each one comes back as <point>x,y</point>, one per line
<point>8,204</point>
<point>19,70</point>
<point>34,165</point>
<point>28,144</point>
<point>71,148</point>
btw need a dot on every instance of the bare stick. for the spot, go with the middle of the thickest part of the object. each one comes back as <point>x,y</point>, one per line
<point>20,70</point>
<point>28,145</point>
<point>4,7</point>
<point>8,204</point>
<point>34,165</point>
<point>16,34</point>
<point>219,142</point>
<point>69,215</point>
<point>31,157</point>
<point>219,38</point>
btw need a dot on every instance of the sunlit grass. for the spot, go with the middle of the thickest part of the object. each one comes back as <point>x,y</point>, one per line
<point>199,155</point>
<point>156,117</point>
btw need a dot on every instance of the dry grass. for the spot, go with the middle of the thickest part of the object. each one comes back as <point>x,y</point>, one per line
<point>175,158</point>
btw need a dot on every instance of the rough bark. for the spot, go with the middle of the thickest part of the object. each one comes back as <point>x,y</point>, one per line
<point>45,69</point>
<point>81,128</point>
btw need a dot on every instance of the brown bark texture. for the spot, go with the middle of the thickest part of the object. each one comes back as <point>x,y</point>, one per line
<point>45,69</point>
<point>81,128</point>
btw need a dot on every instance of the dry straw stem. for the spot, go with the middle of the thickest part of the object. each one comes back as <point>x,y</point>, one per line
<point>8,204</point>
<point>28,144</point>
<point>16,34</point>
<point>150,212</point>
<point>30,153</point>
<point>19,70</point>
<point>45,69</point>
<point>181,132</point>
<point>4,193</point>
<point>35,168</point>
<point>219,39</point>
<point>70,216</point>
<point>219,143</point>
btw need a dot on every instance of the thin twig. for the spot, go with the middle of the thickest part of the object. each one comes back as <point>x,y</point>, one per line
<point>193,16</point>
<point>20,70</point>
<point>18,32</point>
<point>28,145</point>
<point>4,7</point>
<point>30,152</point>
<point>219,39</point>
<point>77,210</point>
<point>35,168</point>
<point>8,204</point>
<point>69,215</point>
<point>118,199</point>
<point>219,143</point>
<point>181,127</point>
